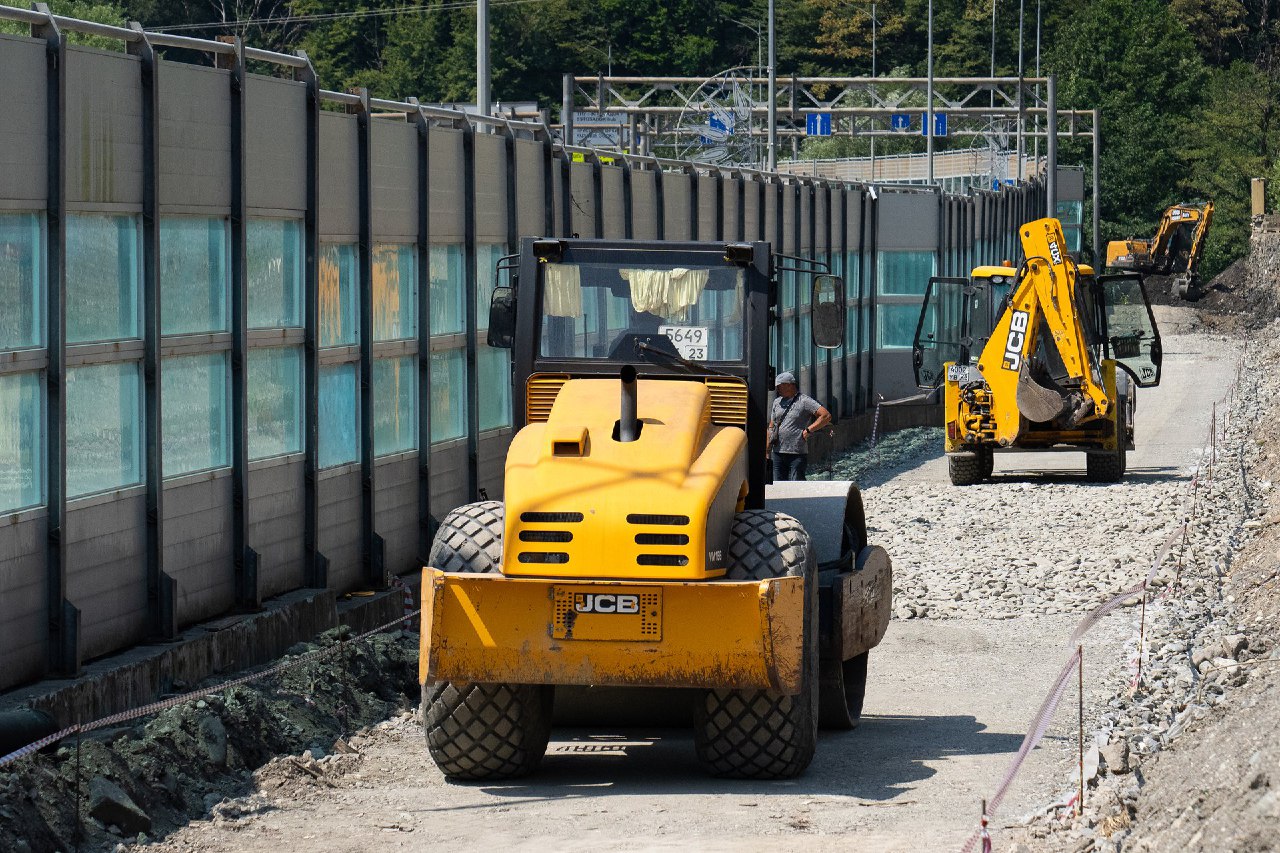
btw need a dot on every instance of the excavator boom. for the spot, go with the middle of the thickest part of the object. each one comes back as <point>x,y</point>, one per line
<point>1042,304</point>
<point>1174,251</point>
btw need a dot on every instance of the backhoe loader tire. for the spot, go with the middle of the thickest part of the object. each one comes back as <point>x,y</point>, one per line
<point>482,731</point>
<point>843,686</point>
<point>1108,466</point>
<point>762,734</point>
<point>969,470</point>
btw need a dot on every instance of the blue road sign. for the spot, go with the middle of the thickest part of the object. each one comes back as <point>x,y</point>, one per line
<point>818,124</point>
<point>900,121</point>
<point>939,123</point>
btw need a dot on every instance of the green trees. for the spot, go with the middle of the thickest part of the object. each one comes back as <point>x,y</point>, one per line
<point>1189,89</point>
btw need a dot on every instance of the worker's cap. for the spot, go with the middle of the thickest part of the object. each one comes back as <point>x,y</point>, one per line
<point>785,378</point>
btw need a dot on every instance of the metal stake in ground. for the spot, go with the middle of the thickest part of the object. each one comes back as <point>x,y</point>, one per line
<point>1080,671</point>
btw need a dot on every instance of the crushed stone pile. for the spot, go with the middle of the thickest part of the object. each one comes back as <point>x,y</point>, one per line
<point>141,781</point>
<point>1180,755</point>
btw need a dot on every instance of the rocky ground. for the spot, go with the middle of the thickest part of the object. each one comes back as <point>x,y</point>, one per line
<point>143,780</point>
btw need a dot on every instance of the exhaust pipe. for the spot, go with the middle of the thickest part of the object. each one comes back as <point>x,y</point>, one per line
<point>628,423</point>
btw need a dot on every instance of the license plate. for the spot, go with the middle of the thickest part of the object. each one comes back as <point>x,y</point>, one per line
<point>607,613</point>
<point>690,341</point>
<point>957,372</point>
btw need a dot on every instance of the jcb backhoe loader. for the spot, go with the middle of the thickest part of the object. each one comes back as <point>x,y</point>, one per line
<point>1175,250</point>
<point>1028,358</point>
<point>634,548</point>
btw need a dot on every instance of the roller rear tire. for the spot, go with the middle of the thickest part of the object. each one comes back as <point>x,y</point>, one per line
<point>843,686</point>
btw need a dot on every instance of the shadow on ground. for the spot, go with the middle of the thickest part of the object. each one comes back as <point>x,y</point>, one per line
<point>870,762</point>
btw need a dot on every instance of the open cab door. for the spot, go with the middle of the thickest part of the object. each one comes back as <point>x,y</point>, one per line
<point>1129,331</point>
<point>940,331</point>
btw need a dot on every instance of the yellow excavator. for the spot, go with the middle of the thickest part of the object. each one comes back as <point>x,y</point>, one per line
<point>635,551</point>
<point>1044,357</point>
<point>1174,251</point>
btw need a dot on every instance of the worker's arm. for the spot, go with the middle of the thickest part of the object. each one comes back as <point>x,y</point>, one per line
<point>820,419</point>
<point>768,436</point>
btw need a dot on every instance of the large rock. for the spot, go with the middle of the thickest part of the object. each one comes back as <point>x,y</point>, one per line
<point>109,804</point>
<point>1116,756</point>
<point>213,740</point>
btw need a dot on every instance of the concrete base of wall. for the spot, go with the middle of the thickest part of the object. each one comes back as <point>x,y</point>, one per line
<point>229,645</point>
<point>854,430</point>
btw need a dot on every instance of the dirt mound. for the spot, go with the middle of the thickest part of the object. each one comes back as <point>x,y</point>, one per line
<point>151,777</point>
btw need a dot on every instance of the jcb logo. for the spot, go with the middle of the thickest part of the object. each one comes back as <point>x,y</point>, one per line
<point>1017,337</point>
<point>1055,254</point>
<point>593,602</point>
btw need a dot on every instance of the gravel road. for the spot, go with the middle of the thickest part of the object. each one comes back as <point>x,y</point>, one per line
<point>990,581</point>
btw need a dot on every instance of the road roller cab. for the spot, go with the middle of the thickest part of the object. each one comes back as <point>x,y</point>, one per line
<point>635,546</point>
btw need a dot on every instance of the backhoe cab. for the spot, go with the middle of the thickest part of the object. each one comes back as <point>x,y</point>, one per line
<point>1174,251</point>
<point>635,548</point>
<point>1043,357</point>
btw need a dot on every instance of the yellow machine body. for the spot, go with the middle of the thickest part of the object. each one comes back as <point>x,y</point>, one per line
<point>581,505</point>
<point>721,634</point>
<point>1175,249</point>
<point>1042,302</point>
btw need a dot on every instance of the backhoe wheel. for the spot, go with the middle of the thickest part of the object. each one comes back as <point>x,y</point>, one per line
<point>843,685</point>
<point>482,731</point>
<point>1108,466</point>
<point>970,469</point>
<point>761,734</point>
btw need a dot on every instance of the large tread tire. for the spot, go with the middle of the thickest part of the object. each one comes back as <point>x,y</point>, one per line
<point>487,731</point>
<point>842,689</point>
<point>761,734</point>
<point>966,470</point>
<point>482,731</point>
<point>1109,466</point>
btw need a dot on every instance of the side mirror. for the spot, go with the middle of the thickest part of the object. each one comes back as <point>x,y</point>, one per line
<point>502,318</point>
<point>828,311</point>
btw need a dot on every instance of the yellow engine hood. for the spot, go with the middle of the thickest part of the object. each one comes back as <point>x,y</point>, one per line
<point>581,504</point>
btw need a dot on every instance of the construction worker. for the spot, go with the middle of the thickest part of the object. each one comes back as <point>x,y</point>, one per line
<point>793,418</point>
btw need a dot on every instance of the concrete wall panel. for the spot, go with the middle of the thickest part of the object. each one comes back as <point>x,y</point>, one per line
<point>614,203</point>
<point>195,137</point>
<point>103,127</point>
<point>530,201</point>
<point>395,181</point>
<point>707,207</point>
<point>397,513</point>
<point>675,201</point>
<point>107,571</point>
<point>23,616</point>
<point>276,143</point>
<point>276,524</point>
<point>448,219</point>
<point>491,188</point>
<point>582,202</point>
<point>22,133</point>
<point>644,205</point>
<point>340,527</point>
<point>339,177</point>
<point>907,220</point>
<point>197,546</point>
<point>448,478</point>
<point>493,462</point>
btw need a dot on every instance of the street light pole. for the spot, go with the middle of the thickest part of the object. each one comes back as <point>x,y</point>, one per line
<point>929,95</point>
<point>482,57</point>
<point>1021,114</point>
<point>873,86</point>
<point>773,90</point>
<point>993,51</point>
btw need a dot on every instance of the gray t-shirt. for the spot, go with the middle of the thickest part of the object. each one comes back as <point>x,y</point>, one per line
<point>789,419</point>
